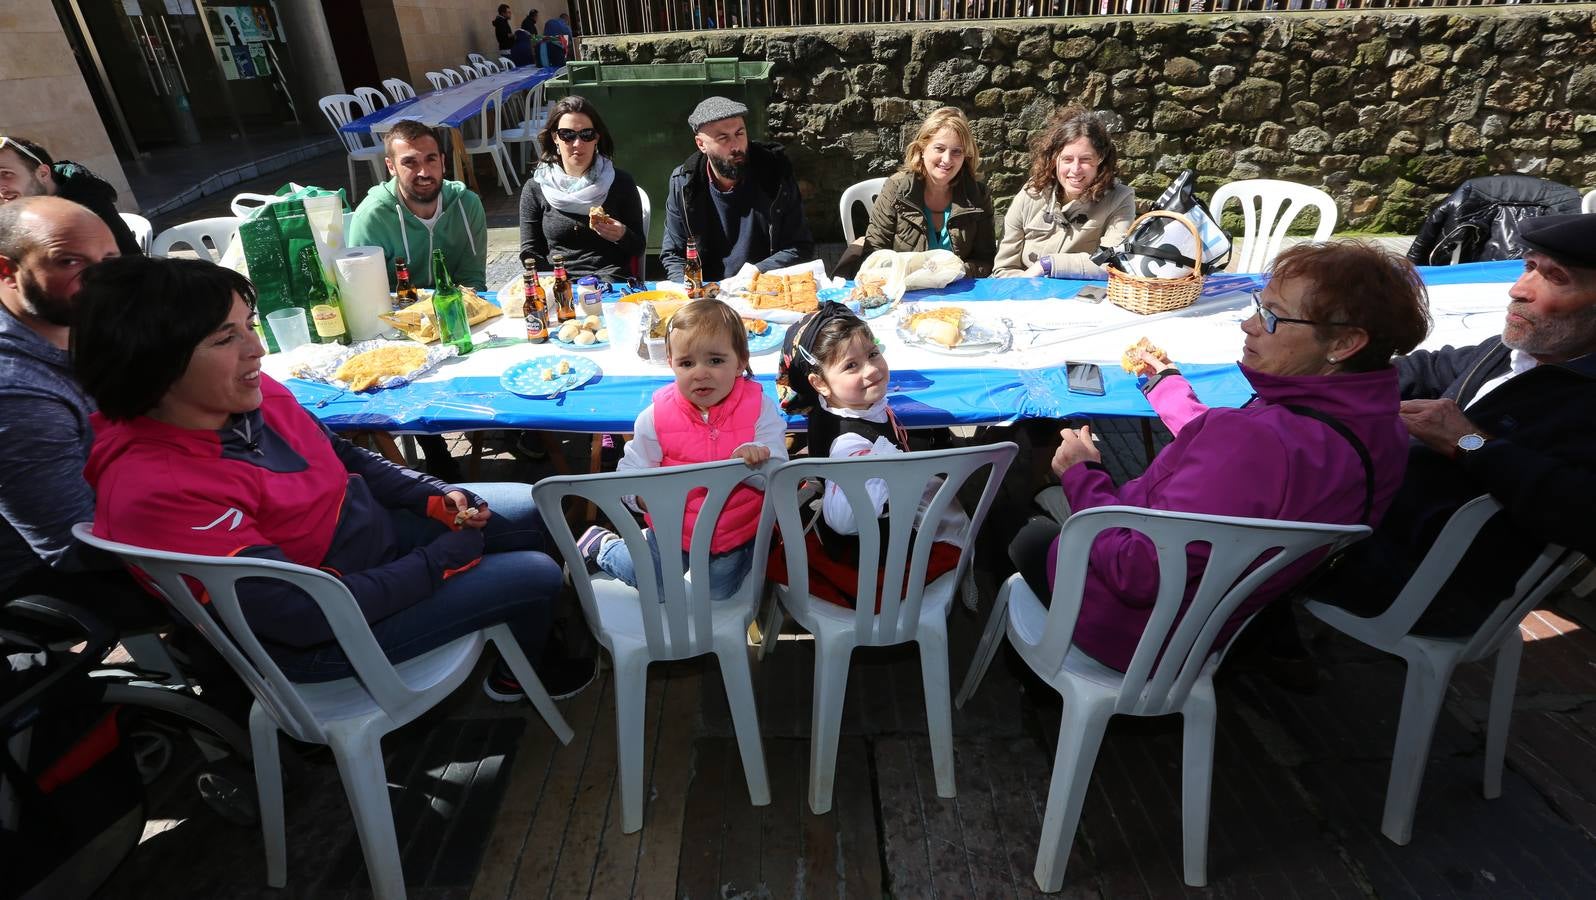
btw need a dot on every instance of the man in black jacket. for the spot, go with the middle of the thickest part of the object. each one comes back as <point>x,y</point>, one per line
<point>27,170</point>
<point>502,32</point>
<point>1514,417</point>
<point>738,200</point>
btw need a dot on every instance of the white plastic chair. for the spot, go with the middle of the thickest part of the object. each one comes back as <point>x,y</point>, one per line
<point>506,63</point>
<point>648,211</point>
<point>1268,207</point>
<point>1431,660</point>
<point>486,67</point>
<point>1588,205</point>
<point>1172,669</point>
<point>529,110</point>
<point>350,715</point>
<point>142,230</point>
<point>452,76</point>
<point>864,192</point>
<point>245,202</point>
<point>468,73</point>
<point>489,139</point>
<point>664,618</point>
<point>371,99</point>
<point>208,238</point>
<point>340,110</point>
<point>475,58</point>
<point>398,89</point>
<point>911,609</point>
<point>439,80</point>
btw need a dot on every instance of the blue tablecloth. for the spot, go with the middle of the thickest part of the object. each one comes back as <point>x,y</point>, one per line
<point>451,106</point>
<point>922,397</point>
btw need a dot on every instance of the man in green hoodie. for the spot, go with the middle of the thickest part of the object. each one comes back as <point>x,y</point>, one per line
<point>417,211</point>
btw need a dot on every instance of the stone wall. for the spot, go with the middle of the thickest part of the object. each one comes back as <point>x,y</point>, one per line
<point>1387,112</point>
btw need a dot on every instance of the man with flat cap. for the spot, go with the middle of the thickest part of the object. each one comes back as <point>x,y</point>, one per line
<point>738,200</point>
<point>1513,417</point>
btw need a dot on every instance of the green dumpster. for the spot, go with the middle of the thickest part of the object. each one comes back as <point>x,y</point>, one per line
<point>646,109</point>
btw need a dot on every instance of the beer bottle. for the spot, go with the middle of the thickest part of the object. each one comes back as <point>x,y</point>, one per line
<point>563,307</point>
<point>454,327</point>
<point>404,292</point>
<point>326,307</point>
<point>537,308</point>
<point>693,271</point>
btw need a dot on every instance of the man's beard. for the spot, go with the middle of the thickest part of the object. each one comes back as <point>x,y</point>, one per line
<point>36,301</point>
<point>731,168</point>
<point>1554,338</point>
<point>414,195</point>
<point>31,187</point>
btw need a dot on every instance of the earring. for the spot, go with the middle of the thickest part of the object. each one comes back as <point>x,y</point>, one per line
<point>1331,359</point>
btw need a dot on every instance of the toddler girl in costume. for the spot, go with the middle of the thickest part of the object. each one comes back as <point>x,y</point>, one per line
<point>714,411</point>
<point>833,370</point>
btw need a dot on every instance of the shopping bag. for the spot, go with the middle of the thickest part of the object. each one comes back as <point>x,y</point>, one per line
<point>275,235</point>
<point>1164,248</point>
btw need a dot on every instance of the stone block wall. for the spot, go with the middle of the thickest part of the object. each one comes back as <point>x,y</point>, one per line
<point>1386,111</point>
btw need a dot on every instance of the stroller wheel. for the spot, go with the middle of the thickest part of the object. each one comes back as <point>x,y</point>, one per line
<point>152,753</point>
<point>229,790</point>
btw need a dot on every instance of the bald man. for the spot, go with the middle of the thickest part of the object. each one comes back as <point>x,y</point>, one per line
<point>45,244</point>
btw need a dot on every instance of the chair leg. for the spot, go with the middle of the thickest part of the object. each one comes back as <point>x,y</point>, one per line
<point>1196,781</point>
<point>732,651</point>
<point>933,642</point>
<point>360,765</point>
<point>269,794</point>
<point>531,684</point>
<point>631,689</point>
<point>378,173</point>
<point>996,628</point>
<point>1503,686</point>
<point>353,188</point>
<point>498,165</point>
<point>825,720</point>
<point>1080,734</point>
<point>1421,704</point>
<point>770,631</point>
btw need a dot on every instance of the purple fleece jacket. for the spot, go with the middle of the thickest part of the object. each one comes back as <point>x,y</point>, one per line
<point>1262,461</point>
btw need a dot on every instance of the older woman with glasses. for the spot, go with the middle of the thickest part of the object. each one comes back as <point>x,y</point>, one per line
<point>577,204</point>
<point>1320,441</point>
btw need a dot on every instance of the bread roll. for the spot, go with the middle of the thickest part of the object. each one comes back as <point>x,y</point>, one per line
<point>943,332</point>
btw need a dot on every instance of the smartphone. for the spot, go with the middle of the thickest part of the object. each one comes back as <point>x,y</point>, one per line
<point>1092,293</point>
<point>1084,378</point>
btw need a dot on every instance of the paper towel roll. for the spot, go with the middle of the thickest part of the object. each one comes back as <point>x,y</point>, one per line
<point>363,281</point>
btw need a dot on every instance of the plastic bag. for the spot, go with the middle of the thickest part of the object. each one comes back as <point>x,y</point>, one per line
<point>1163,248</point>
<point>901,272</point>
<point>275,234</point>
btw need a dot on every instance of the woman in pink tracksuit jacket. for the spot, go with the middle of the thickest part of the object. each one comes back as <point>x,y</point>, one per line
<point>1320,441</point>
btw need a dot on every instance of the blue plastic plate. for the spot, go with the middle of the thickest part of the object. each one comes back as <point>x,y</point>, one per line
<point>770,340</point>
<point>526,377</point>
<point>840,294</point>
<point>579,348</point>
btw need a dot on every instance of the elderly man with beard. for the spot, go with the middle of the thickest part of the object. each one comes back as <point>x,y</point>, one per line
<point>738,200</point>
<point>1513,417</point>
<point>26,170</point>
<point>416,211</point>
<point>45,244</point>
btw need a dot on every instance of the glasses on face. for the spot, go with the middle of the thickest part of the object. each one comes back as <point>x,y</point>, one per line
<point>571,136</point>
<point>1270,320</point>
<point>11,143</point>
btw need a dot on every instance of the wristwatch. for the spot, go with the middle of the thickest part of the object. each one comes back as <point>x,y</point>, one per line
<point>1046,263</point>
<point>1469,443</point>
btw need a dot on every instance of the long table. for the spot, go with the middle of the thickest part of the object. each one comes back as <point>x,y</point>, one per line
<point>928,388</point>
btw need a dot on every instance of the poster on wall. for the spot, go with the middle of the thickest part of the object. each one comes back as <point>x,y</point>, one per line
<point>263,23</point>
<point>257,55</point>
<point>213,20</point>
<point>242,59</point>
<point>232,28</point>
<point>224,56</point>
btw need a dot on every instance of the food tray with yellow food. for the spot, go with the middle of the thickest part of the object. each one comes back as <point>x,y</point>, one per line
<point>419,323</point>
<point>783,299</point>
<point>371,365</point>
<point>952,330</point>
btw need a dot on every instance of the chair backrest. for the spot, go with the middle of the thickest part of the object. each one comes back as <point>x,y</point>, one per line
<point>201,235</point>
<point>370,99</point>
<point>487,68</point>
<point>1268,209</point>
<point>340,110</point>
<point>469,73</point>
<point>893,538</point>
<point>142,230</point>
<point>864,192</point>
<point>453,76</point>
<point>506,63</point>
<point>677,621</point>
<point>398,89</point>
<point>1172,653</point>
<point>641,263</point>
<point>245,203</point>
<point>1588,205</point>
<point>475,58</point>
<point>225,627</point>
<point>439,80</point>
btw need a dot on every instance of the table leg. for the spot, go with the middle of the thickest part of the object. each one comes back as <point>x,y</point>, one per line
<point>388,447</point>
<point>462,170</point>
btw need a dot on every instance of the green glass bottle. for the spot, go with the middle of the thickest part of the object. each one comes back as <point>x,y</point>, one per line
<point>454,326</point>
<point>322,298</point>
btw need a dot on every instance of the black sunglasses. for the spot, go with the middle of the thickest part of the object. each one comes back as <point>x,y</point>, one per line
<point>570,136</point>
<point>1270,320</point>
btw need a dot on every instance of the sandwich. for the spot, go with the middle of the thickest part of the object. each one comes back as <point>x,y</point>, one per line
<point>1133,364</point>
<point>944,325</point>
<point>595,215</point>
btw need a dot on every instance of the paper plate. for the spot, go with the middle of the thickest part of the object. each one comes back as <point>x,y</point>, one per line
<point>526,377</point>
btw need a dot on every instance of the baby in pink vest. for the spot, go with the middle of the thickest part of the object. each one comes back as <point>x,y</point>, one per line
<point>714,411</point>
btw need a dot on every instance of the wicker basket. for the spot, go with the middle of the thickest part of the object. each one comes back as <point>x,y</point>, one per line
<point>1156,295</point>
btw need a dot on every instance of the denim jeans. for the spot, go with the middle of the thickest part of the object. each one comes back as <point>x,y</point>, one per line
<point>726,570</point>
<point>515,583</point>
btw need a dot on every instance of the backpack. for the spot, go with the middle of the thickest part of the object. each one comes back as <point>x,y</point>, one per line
<point>1163,248</point>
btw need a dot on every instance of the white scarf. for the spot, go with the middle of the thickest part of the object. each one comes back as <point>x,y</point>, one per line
<point>575,194</point>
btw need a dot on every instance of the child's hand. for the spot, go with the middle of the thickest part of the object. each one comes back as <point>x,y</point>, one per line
<point>752,454</point>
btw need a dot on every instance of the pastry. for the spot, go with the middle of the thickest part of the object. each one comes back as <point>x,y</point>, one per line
<point>1133,364</point>
<point>944,325</point>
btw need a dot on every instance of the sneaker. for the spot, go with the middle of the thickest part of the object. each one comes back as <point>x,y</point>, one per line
<point>592,541</point>
<point>563,678</point>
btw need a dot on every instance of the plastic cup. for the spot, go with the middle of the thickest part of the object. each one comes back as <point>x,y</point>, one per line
<point>289,328</point>
<point>656,350</point>
<point>621,321</point>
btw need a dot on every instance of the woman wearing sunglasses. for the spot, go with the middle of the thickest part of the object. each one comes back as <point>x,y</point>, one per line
<point>577,204</point>
<point>1320,441</point>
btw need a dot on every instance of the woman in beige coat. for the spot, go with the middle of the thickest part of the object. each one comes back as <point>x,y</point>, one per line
<point>1072,204</point>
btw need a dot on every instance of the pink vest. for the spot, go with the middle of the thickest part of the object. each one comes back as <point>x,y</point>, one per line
<point>685,438</point>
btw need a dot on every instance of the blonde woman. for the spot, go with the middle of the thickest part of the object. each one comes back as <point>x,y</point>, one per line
<point>935,201</point>
<point>1072,204</point>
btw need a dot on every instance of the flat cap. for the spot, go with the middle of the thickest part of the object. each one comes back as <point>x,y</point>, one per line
<point>713,109</point>
<point>1571,240</point>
